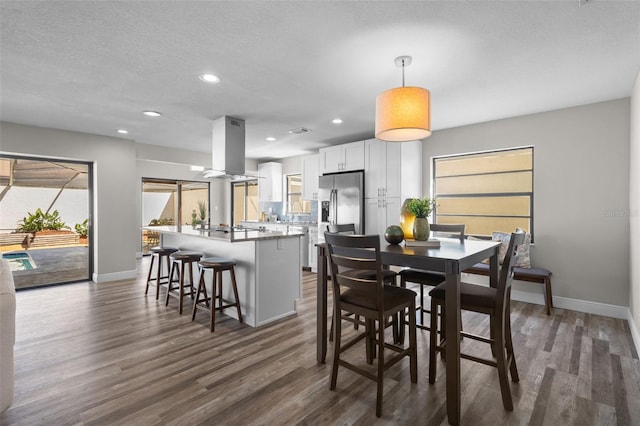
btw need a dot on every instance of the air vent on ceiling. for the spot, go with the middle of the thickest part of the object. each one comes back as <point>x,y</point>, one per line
<point>299,130</point>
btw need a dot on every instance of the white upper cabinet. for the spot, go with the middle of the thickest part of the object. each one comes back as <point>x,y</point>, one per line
<point>342,158</point>
<point>270,181</point>
<point>382,169</point>
<point>310,179</point>
<point>393,172</point>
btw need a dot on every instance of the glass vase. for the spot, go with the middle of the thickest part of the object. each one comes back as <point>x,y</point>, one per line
<point>421,229</point>
<point>406,219</point>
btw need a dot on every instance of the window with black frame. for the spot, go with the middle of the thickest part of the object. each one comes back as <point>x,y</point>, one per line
<point>487,191</point>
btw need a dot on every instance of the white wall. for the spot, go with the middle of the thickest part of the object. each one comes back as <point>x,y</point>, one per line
<point>115,234</point>
<point>581,191</point>
<point>634,209</point>
<point>71,204</point>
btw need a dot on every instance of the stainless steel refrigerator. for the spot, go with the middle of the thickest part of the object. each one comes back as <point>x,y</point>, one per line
<point>341,200</point>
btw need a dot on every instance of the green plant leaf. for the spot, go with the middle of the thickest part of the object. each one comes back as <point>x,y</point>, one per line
<point>421,207</point>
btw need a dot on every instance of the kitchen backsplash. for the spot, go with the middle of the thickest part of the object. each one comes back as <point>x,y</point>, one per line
<point>277,208</point>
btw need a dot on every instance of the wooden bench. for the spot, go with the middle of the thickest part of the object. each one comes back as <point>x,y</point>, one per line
<point>534,275</point>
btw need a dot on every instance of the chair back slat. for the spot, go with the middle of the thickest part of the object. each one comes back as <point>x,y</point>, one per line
<point>448,230</point>
<point>355,263</point>
<point>350,262</point>
<point>345,228</point>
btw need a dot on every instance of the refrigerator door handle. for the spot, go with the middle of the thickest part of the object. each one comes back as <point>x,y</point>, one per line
<point>334,206</point>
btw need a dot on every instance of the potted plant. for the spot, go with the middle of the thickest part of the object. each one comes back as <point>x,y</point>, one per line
<point>194,219</point>
<point>421,208</point>
<point>202,209</point>
<point>82,229</point>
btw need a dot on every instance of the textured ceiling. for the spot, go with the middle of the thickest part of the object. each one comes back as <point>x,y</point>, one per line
<point>94,66</point>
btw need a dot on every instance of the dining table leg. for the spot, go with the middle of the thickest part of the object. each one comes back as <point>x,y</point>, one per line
<point>452,308</point>
<point>321,307</point>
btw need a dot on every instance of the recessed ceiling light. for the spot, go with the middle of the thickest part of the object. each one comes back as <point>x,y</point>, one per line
<point>270,139</point>
<point>210,78</point>
<point>337,121</point>
<point>123,131</point>
<point>152,113</point>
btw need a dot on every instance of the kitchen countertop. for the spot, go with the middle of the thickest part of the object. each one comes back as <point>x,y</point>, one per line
<point>231,235</point>
<point>289,223</point>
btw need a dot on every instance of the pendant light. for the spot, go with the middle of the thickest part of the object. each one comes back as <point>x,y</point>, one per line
<point>403,113</point>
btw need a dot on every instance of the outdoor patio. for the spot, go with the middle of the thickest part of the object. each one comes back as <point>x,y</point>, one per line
<point>54,266</point>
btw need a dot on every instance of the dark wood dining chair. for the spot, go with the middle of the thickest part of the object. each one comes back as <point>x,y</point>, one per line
<point>357,278</point>
<point>495,302</point>
<point>430,278</point>
<point>389,276</point>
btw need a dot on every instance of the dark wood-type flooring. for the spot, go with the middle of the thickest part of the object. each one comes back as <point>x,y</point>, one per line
<point>97,354</point>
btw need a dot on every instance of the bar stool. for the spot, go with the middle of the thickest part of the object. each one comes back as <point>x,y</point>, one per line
<point>217,265</point>
<point>179,261</point>
<point>159,253</point>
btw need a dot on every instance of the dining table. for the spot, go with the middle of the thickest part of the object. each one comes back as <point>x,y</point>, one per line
<point>451,258</point>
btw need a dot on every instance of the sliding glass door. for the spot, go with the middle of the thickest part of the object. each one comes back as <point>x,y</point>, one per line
<point>45,220</point>
<point>171,202</point>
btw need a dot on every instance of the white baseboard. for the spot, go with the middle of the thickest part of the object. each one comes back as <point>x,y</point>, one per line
<point>635,334</point>
<point>613,311</point>
<point>537,298</point>
<point>114,276</point>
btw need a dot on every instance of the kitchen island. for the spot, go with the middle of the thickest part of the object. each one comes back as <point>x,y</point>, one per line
<point>268,266</point>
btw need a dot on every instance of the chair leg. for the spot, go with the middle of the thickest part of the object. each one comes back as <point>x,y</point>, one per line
<point>511,357</point>
<point>421,304</point>
<point>174,265</point>
<point>214,290</point>
<point>191,280</point>
<point>492,335</point>
<point>146,290</point>
<point>395,328</point>
<point>370,337</point>
<point>336,349</point>
<point>181,288</point>
<point>501,361</point>
<point>548,299</point>
<point>220,301</point>
<point>413,345</point>
<point>200,287</point>
<point>331,329</point>
<point>433,341</point>
<point>235,293</point>
<point>380,375</point>
<point>168,262</point>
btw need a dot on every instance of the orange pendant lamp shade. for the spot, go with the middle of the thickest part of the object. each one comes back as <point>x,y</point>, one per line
<point>403,114</point>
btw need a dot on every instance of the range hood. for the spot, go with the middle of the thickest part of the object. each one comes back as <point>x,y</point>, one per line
<point>227,150</point>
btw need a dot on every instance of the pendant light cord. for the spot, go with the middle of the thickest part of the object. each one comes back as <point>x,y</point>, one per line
<point>403,73</point>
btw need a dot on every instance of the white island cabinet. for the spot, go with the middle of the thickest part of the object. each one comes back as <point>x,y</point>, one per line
<point>268,268</point>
